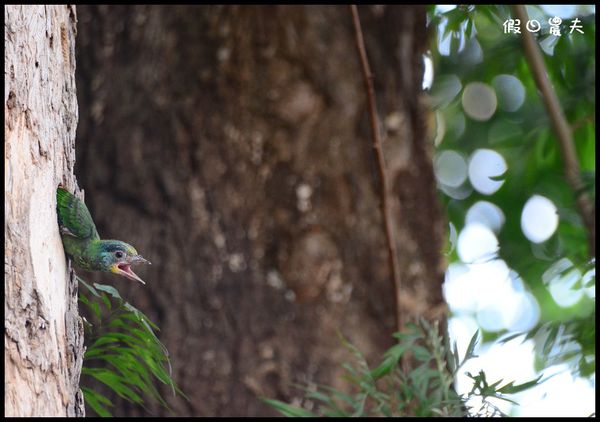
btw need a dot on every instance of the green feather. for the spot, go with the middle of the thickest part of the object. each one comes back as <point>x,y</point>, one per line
<point>73,216</point>
<point>83,244</point>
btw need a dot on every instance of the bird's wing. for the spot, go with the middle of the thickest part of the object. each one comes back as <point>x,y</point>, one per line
<point>74,218</point>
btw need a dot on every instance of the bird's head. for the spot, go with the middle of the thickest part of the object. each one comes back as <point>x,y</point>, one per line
<point>118,257</point>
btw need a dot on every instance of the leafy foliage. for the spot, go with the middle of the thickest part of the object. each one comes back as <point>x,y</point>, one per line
<point>479,51</point>
<point>389,390</point>
<point>122,339</point>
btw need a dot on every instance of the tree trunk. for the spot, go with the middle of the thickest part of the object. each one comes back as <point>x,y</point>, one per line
<point>230,146</point>
<point>43,337</point>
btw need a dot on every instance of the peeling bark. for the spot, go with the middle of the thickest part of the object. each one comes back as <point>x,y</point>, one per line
<point>43,334</point>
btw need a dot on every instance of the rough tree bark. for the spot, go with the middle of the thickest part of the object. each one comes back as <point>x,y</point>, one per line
<point>230,145</point>
<point>43,338</point>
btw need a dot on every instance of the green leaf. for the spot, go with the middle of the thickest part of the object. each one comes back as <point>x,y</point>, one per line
<point>106,301</point>
<point>95,308</point>
<point>391,358</point>
<point>469,28</point>
<point>97,402</point>
<point>552,334</point>
<point>511,337</point>
<point>127,339</point>
<point>108,289</point>
<point>288,410</point>
<point>421,353</point>
<point>498,177</point>
<point>513,389</point>
<point>330,407</point>
<point>471,347</point>
<point>114,381</point>
<point>452,238</point>
<point>136,357</point>
<point>455,358</point>
<point>88,287</point>
<point>339,395</point>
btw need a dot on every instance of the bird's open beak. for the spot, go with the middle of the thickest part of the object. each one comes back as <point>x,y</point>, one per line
<point>139,259</point>
<point>125,270</point>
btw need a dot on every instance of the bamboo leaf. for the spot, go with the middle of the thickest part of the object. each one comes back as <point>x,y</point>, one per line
<point>97,402</point>
<point>88,287</point>
<point>513,389</point>
<point>288,410</point>
<point>391,358</point>
<point>136,357</point>
<point>471,347</point>
<point>114,381</point>
<point>108,289</point>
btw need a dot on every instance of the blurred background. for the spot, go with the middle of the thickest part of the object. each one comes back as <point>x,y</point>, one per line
<point>519,261</point>
<point>231,146</point>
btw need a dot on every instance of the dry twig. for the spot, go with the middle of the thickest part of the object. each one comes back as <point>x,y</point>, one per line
<point>563,131</point>
<point>385,208</point>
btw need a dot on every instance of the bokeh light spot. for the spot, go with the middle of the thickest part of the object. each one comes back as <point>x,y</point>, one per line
<point>510,92</point>
<point>459,193</point>
<point>444,90</point>
<point>472,54</point>
<point>476,242</point>
<point>428,72</point>
<point>560,10</point>
<point>484,164</point>
<point>562,278</point>
<point>539,219</point>
<point>486,213</point>
<point>587,278</point>
<point>525,307</point>
<point>451,168</point>
<point>479,101</point>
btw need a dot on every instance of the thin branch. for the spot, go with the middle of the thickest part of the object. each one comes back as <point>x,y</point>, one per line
<point>385,208</point>
<point>561,127</point>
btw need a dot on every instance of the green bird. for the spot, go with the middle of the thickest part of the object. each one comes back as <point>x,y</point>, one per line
<point>83,244</point>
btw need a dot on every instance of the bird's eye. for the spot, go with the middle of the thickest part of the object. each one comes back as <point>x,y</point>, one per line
<point>119,254</point>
